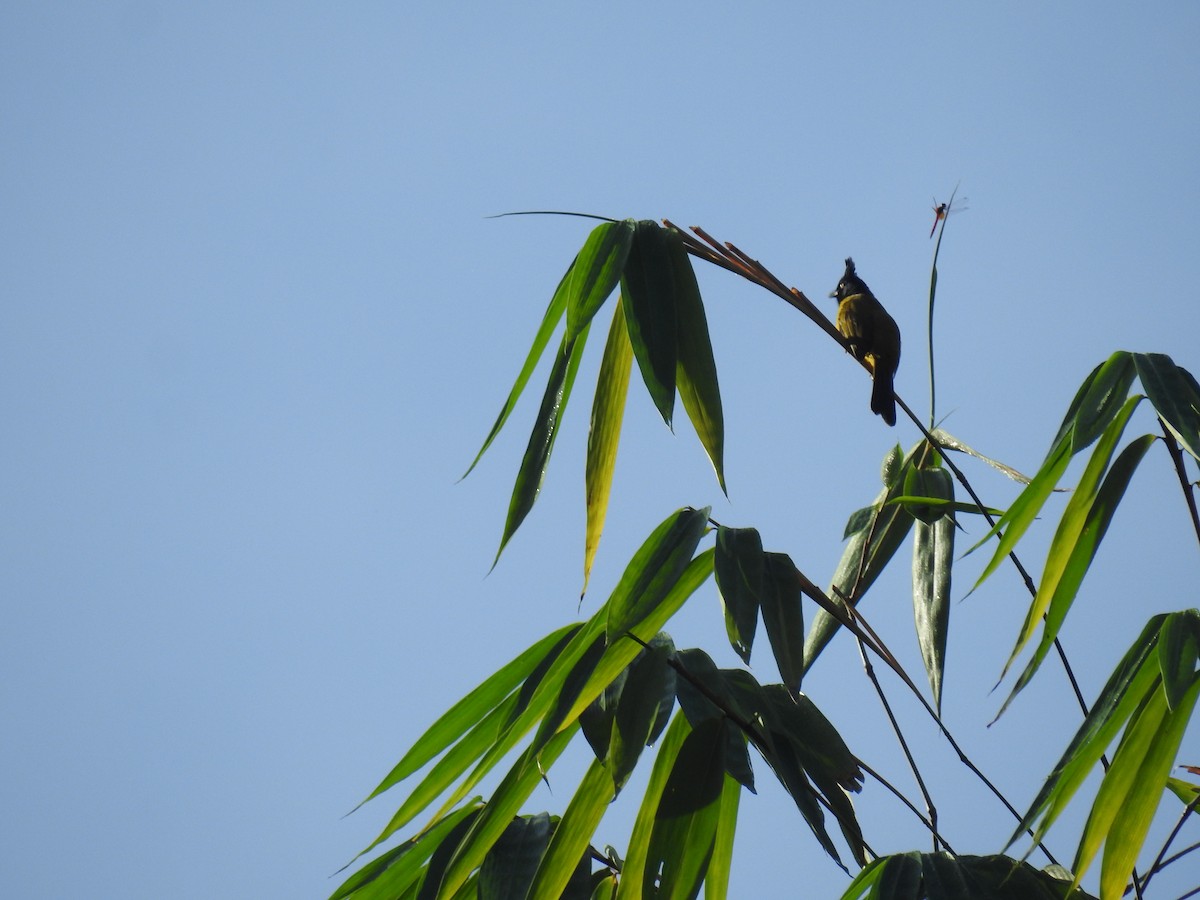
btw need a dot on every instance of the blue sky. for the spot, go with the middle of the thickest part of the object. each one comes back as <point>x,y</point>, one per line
<point>255,325</point>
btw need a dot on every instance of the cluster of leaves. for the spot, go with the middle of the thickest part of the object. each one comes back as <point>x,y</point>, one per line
<point>618,679</point>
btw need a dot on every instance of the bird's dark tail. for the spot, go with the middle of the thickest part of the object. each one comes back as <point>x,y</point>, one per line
<point>883,397</point>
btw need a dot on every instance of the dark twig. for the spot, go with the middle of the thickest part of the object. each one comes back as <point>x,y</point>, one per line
<point>1159,863</point>
<point>1177,458</point>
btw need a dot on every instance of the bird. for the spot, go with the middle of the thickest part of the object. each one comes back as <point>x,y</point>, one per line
<point>873,336</point>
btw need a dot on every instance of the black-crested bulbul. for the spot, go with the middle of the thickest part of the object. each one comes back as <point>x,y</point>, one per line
<point>873,338</point>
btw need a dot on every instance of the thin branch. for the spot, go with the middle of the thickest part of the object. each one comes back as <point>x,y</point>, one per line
<point>1159,864</point>
<point>1177,458</point>
<point>887,785</point>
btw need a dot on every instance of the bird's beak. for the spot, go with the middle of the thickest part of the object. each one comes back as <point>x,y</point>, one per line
<point>833,293</point>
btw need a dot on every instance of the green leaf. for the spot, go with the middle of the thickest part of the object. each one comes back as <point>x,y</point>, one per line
<point>685,825</point>
<point>596,272</point>
<point>695,369</point>
<point>473,708</point>
<point>1135,675</point>
<point>1178,653</point>
<point>739,566</point>
<point>440,859</point>
<point>1095,403</point>
<point>392,872</point>
<point>648,287</point>
<point>901,877</point>
<point>1066,577</point>
<point>650,687</point>
<point>553,315</point>
<point>573,834</point>
<point>933,559</point>
<point>654,570</point>
<point>541,440</point>
<point>525,775</point>
<point>608,410</point>
<point>508,869</point>
<point>1175,395</point>
<point>783,617</point>
<point>716,882</point>
<point>632,875</point>
<point>872,544</point>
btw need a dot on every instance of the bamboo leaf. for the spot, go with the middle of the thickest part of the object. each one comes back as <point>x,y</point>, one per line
<point>685,824</point>
<point>716,882</point>
<point>648,287</point>
<point>633,874</point>
<point>1124,840</point>
<point>783,618</point>
<point>509,867</point>
<point>551,318</point>
<point>878,532</point>
<point>1079,556</point>
<point>1095,403</point>
<point>1178,653</point>
<point>541,440</point>
<point>649,690</point>
<point>740,565</point>
<point>573,834</point>
<point>596,272</point>
<point>695,369</point>
<point>608,410</point>
<point>1175,395</point>
<point>1134,675</point>
<point>933,559</point>
<point>654,569</point>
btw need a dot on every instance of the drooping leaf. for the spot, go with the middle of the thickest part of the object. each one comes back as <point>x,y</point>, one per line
<point>716,882</point>
<point>508,868</point>
<point>783,617</point>
<point>1175,395</point>
<point>876,537</point>
<point>685,824</point>
<point>608,410</point>
<point>695,368</point>
<point>933,559</point>
<point>739,566</point>
<point>596,272</point>
<point>541,440</point>
<point>648,288</point>
<point>551,318</point>
<point>632,884</point>
<point>650,687</point>
<point>948,441</point>
<point>440,859</point>
<point>1095,403</point>
<point>1178,654</point>
<point>571,838</point>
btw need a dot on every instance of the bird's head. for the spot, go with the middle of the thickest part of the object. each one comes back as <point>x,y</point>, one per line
<point>850,284</point>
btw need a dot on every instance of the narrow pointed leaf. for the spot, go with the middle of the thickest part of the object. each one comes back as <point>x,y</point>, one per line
<point>608,410</point>
<point>393,871</point>
<point>596,272</point>
<point>541,440</point>
<point>933,559</point>
<point>740,566</point>
<point>633,874</point>
<point>716,882</point>
<point>685,824</point>
<point>875,539</point>
<point>1175,395</point>
<point>1080,556</point>
<point>696,370</point>
<point>440,859</point>
<point>573,834</point>
<point>654,569</point>
<point>950,442</point>
<point>783,618</point>
<point>650,685</point>
<point>1125,840</point>
<point>471,709</point>
<point>508,869</point>
<point>648,288</point>
<point>512,791</point>
<point>1178,653</point>
<point>554,314</point>
<point>1095,403</point>
<point>1133,676</point>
